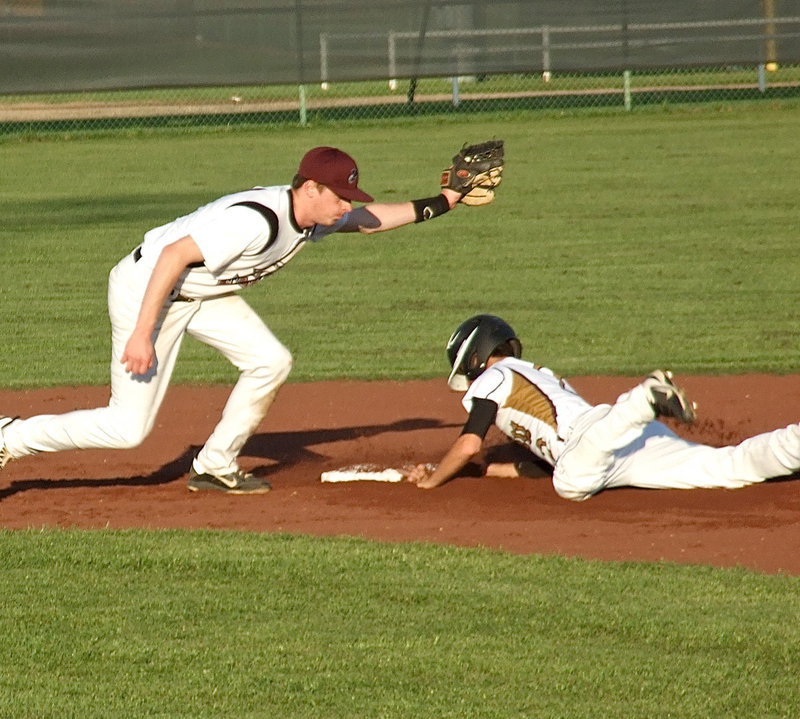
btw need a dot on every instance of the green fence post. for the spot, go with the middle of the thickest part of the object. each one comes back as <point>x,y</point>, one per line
<point>303,106</point>
<point>762,78</point>
<point>626,89</point>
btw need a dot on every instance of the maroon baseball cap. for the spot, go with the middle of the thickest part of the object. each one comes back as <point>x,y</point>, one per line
<point>334,169</point>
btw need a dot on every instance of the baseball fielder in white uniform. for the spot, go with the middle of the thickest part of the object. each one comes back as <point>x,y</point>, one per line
<point>183,279</point>
<point>591,448</point>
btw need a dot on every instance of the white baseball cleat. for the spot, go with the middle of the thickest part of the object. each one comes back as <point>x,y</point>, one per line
<point>667,399</point>
<point>5,456</point>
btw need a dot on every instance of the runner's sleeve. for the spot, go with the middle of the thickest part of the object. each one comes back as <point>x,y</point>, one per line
<point>481,417</point>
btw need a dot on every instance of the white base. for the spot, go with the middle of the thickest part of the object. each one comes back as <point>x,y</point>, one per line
<point>363,472</point>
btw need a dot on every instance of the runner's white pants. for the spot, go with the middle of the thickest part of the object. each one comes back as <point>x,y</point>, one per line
<point>620,445</point>
<point>227,323</point>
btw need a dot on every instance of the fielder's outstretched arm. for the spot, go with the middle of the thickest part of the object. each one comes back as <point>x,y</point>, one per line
<point>382,216</point>
<point>476,172</point>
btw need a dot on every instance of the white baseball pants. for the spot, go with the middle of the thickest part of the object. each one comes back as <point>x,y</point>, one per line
<point>227,323</point>
<point>621,445</point>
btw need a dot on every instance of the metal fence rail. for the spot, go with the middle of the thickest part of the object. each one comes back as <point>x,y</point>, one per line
<point>545,50</point>
<point>227,106</point>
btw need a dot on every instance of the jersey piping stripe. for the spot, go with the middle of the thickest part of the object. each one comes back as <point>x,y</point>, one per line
<point>526,397</point>
<point>261,273</point>
<point>268,214</point>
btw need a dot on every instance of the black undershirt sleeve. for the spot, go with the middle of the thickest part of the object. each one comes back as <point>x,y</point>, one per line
<point>481,417</point>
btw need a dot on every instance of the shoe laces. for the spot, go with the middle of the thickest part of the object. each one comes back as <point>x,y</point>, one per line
<point>239,477</point>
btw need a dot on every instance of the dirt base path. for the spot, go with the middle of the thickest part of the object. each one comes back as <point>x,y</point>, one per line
<point>321,426</point>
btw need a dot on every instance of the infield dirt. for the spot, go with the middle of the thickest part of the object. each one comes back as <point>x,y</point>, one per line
<point>320,426</point>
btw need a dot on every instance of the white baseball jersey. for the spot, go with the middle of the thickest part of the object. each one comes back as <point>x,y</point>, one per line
<point>621,445</point>
<point>535,407</point>
<point>244,237</point>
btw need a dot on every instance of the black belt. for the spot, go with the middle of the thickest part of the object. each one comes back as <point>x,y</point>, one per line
<point>137,255</point>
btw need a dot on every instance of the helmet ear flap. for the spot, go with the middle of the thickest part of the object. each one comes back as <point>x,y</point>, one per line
<point>458,377</point>
<point>474,364</point>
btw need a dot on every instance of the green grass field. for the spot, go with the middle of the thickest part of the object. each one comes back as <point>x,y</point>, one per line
<point>619,242</point>
<point>216,624</point>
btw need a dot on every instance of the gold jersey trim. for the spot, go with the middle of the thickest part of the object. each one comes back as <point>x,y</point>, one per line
<point>526,397</point>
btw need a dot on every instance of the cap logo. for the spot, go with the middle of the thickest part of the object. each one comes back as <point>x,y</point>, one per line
<point>334,169</point>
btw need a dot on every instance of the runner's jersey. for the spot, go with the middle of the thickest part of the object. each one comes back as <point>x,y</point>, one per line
<point>536,408</point>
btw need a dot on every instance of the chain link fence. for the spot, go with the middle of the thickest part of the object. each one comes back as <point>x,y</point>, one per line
<point>391,98</point>
<point>104,64</point>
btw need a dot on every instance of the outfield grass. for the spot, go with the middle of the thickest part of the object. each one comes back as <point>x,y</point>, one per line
<point>220,624</point>
<point>619,242</point>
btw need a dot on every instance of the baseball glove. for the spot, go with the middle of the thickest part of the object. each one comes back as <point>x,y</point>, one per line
<point>476,171</point>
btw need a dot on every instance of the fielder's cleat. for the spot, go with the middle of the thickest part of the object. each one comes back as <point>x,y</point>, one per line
<point>234,483</point>
<point>5,455</point>
<point>667,399</point>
